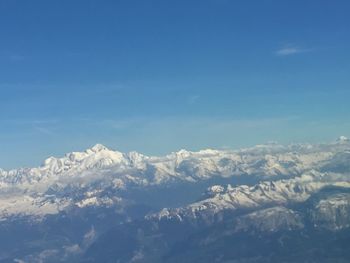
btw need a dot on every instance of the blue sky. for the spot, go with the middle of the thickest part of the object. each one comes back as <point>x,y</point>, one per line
<point>158,76</point>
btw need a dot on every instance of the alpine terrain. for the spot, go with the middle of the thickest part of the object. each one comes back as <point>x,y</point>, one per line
<point>268,203</point>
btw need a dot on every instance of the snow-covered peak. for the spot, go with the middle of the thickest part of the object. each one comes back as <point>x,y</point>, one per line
<point>137,160</point>
<point>343,139</point>
<point>214,190</point>
<point>96,157</point>
<point>102,168</point>
<point>269,220</point>
<point>182,154</point>
<point>182,165</point>
<point>264,194</point>
<point>98,148</point>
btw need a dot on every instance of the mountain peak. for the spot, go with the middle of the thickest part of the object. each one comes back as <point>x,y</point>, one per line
<point>343,139</point>
<point>98,148</point>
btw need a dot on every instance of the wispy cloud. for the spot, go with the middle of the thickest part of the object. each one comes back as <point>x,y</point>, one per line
<point>162,135</point>
<point>289,50</point>
<point>44,130</point>
<point>193,99</point>
<point>11,56</point>
<point>16,57</point>
<point>28,121</point>
<point>44,127</point>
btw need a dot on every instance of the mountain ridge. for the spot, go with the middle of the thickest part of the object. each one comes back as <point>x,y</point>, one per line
<point>98,174</point>
<point>101,205</point>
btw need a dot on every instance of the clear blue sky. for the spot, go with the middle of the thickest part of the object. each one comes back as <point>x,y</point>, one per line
<point>158,76</point>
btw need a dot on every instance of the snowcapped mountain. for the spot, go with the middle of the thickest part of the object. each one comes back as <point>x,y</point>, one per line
<point>101,205</point>
<point>97,175</point>
<point>269,220</point>
<point>244,224</point>
<point>264,194</point>
<point>266,160</point>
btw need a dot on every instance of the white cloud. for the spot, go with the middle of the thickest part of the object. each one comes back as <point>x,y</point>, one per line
<point>290,50</point>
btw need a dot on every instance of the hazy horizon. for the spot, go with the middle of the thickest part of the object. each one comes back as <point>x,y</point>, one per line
<point>157,76</point>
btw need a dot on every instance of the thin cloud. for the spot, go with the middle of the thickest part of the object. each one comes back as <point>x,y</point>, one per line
<point>44,130</point>
<point>290,50</point>
<point>193,99</point>
<point>16,57</point>
<point>27,122</point>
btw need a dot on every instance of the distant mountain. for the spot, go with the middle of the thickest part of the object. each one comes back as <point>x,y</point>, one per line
<point>102,205</point>
<point>263,194</point>
<point>281,226</point>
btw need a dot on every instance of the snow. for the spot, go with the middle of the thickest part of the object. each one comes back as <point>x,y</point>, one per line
<point>101,168</point>
<point>343,139</point>
<point>267,193</point>
<point>269,220</point>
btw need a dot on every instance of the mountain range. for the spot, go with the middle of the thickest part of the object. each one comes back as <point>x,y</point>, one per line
<point>267,203</point>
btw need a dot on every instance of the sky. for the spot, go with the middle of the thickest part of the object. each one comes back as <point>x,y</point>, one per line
<point>157,76</point>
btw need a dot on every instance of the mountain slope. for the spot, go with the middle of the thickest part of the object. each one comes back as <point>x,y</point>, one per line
<point>102,205</point>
